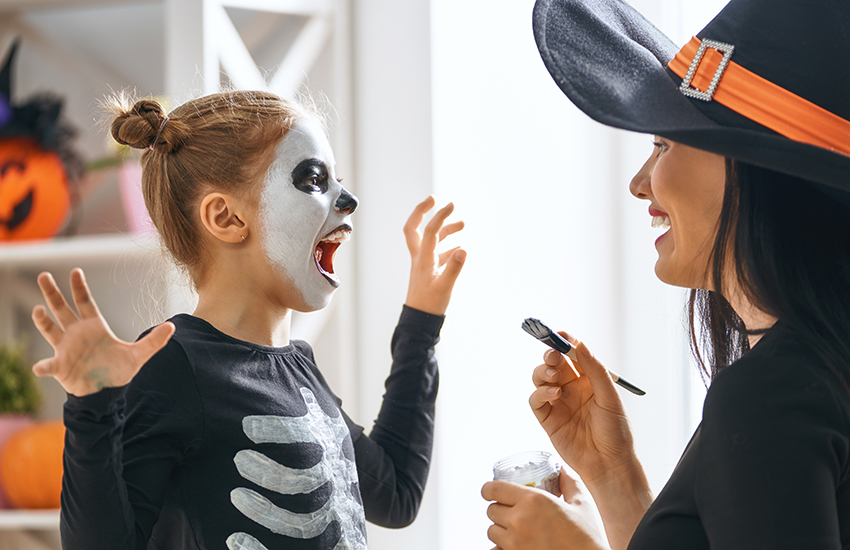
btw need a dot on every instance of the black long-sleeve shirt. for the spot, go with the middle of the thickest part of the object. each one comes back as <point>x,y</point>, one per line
<point>769,466</point>
<point>223,444</point>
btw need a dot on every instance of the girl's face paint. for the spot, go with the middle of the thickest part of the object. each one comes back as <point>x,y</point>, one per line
<point>305,213</point>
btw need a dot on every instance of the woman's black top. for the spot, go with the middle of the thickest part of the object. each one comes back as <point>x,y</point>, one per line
<point>769,465</point>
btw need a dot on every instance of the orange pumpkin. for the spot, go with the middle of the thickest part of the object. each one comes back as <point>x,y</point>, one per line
<point>34,196</point>
<point>31,466</point>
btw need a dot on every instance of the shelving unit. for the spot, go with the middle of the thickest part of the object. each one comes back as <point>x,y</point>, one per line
<point>29,520</point>
<point>29,529</point>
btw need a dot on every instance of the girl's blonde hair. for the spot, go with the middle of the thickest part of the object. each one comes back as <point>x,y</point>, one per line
<point>220,142</point>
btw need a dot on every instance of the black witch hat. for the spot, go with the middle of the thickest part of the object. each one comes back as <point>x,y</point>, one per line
<point>765,82</point>
<point>38,118</point>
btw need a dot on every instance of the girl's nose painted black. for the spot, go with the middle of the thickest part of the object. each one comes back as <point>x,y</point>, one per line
<point>346,202</point>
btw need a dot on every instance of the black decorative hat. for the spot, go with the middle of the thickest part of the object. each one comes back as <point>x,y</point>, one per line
<point>766,81</point>
<point>39,118</point>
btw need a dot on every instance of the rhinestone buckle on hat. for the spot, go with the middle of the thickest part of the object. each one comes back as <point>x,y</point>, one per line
<point>722,47</point>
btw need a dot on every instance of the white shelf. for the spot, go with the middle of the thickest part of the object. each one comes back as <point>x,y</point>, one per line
<point>29,520</point>
<point>86,248</point>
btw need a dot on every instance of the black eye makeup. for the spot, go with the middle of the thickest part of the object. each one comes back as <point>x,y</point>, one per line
<point>311,176</point>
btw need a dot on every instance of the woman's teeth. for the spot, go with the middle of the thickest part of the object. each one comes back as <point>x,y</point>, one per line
<point>661,221</point>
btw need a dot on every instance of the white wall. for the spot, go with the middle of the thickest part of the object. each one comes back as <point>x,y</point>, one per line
<point>453,98</point>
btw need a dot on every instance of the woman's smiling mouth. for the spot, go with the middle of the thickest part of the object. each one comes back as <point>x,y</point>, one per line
<point>659,218</point>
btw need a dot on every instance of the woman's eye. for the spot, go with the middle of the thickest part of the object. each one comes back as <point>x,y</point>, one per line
<point>660,145</point>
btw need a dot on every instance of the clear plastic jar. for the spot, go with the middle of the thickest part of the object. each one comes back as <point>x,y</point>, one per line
<point>532,469</point>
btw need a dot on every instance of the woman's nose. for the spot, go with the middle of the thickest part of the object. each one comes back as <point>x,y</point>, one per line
<point>640,184</point>
<point>346,202</point>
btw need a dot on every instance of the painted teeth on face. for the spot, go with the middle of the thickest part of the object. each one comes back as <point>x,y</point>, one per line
<point>661,221</point>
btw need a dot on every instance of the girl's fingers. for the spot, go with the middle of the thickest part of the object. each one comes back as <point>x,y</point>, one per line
<point>154,341</point>
<point>45,325</point>
<point>411,227</point>
<point>444,256</point>
<point>451,229</point>
<point>55,300</point>
<point>45,367</point>
<point>86,305</point>
<point>432,228</point>
<point>454,265</point>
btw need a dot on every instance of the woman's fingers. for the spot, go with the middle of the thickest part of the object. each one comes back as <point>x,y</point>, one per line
<point>569,485</point>
<point>496,533</point>
<point>55,300</point>
<point>541,401</point>
<point>45,325</point>
<point>556,369</point>
<point>86,305</point>
<point>597,374</point>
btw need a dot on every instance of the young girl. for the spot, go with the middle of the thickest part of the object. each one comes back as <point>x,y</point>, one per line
<point>752,132</point>
<point>215,430</point>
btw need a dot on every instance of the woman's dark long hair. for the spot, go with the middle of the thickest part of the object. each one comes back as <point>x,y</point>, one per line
<point>790,244</point>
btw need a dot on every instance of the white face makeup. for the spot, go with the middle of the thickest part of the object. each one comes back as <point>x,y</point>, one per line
<point>305,213</point>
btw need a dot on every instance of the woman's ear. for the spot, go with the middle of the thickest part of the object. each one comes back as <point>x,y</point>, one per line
<point>224,217</point>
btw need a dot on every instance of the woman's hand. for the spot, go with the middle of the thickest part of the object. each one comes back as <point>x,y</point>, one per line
<point>87,355</point>
<point>432,274</point>
<point>525,518</point>
<point>580,409</point>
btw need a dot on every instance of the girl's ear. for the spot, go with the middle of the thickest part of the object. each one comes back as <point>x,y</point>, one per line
<point>224,217</point>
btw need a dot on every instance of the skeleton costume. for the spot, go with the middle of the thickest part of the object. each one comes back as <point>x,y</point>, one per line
<point>223,444</point>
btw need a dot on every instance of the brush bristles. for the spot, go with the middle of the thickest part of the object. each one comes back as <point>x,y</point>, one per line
<point>535,328</point>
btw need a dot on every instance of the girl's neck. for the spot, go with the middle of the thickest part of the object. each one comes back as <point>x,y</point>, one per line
<point>243,314</point>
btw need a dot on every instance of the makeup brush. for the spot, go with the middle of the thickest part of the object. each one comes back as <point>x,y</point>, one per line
<point>558,343</point>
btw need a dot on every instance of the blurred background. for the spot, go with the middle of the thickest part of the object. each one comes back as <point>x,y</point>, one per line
<point>443,97</point>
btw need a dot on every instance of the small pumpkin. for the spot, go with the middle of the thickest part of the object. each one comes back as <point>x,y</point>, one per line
<point>31,466</point>
<point>34,194</point>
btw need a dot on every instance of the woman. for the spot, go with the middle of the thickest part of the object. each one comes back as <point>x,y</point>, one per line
<point>751,133</point>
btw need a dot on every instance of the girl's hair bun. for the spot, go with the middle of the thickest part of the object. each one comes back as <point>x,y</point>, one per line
<point>145,125</point>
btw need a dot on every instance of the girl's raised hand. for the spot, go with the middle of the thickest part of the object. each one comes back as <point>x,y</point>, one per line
<point>432,274</point>
<point>87,355</point>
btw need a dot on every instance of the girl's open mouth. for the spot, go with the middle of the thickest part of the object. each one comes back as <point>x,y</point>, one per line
<point>325,250</point>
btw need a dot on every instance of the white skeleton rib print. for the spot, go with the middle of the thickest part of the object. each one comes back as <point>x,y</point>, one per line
<point>342,505</point>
